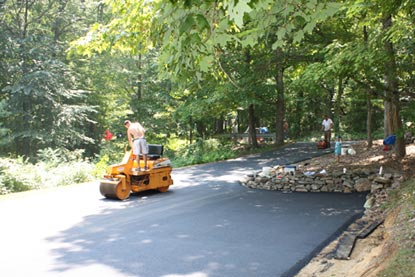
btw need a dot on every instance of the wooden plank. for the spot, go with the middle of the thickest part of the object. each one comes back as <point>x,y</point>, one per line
<point>368,229</point>
<point>345,246</point>
<point>360,229</point>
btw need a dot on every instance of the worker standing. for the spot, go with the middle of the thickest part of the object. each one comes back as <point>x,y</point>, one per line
<point>327,125</point>
<point>137,141</point>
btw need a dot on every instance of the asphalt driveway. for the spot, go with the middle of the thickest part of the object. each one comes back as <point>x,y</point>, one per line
<point>205,225</point>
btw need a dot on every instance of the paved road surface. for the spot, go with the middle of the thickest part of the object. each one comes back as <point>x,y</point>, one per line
<point>205,225</point>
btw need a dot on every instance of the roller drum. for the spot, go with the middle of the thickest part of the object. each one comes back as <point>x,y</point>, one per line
<point>114,189</point>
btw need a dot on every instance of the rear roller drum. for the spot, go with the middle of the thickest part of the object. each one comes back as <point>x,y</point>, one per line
<point>112,189</point>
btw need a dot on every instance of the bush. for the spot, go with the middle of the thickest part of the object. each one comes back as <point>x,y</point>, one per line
<point>66,174</point>
<point>202,151</point>
<point>111,152</point>
<point>16,175</point>
<point>54,169</point>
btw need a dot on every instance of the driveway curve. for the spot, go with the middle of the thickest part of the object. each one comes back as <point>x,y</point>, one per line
<point>205,225</point>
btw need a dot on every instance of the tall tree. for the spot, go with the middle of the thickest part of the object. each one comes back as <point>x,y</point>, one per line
<point>46,105</point>
<point>393,123</point>
<point>248,23</point>
<point>379,15</point>
<point>338,59</point>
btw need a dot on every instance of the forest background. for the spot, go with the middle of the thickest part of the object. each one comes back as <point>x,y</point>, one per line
<point>194,73</point>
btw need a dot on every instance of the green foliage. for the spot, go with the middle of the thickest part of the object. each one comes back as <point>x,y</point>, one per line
<point>112,152</point>
<point>101,166</point>
<point>14,176</point>
<point>356,110</point>
<point>45,104</point>
<point>219,57</point>
<point>55,169</point>
<point>67,174</point>
<point>202,151</point>
<point>222,52</point>
<point>55,157</point>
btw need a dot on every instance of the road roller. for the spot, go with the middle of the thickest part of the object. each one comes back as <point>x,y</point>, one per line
<point>122,179</point>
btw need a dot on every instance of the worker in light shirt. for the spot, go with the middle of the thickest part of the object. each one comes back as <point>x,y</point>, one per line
<point>327,125</point>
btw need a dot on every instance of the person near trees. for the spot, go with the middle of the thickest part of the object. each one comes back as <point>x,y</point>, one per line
<point>107,135</point>
<point>327,125</point>
<point>136,139</point>
<point>285,128</point>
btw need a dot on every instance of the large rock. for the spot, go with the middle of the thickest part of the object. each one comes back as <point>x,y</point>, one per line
<point>382,180</point>
<point>363,185</point>
<point>376,187</point>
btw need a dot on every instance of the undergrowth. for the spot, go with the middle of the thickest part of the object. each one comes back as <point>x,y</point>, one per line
<point>59,167</point>
<point>55,168</point>
<point>202,151</point>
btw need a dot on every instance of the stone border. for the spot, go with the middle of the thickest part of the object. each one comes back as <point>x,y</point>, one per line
<point>277,178</point>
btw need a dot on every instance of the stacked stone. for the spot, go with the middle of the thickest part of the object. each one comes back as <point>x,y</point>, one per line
<point>379,191</point>
<point>344,182</point>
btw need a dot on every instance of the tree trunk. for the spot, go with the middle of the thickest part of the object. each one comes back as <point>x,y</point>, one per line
<point>337,106</point>
<point>369,120</point>
<point>201,129</point>
<point>387,124</point>
<point>219,123</point>
<point>251,121</point>
<point>295,127</point>
<point>190,130</point>
<point>139,92</point>
<point>392,93</point>
<point>280,105</point>
<point>369,117</point>
<point>26,120</point>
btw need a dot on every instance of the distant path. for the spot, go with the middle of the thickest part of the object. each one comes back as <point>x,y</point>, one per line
<point>206,225</point>
<point>286,155</point>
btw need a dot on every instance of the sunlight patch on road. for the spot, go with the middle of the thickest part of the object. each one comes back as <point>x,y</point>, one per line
<point>146,241</point>
<point>332,211</point>
<point>89,270</point>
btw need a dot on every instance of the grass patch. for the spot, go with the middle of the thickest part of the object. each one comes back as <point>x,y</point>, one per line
<point>402,264</point>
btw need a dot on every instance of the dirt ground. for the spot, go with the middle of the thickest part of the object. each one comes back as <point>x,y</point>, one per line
<point>371,254</point>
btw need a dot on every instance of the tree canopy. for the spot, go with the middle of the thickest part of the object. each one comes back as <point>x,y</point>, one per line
<point>71,69</point>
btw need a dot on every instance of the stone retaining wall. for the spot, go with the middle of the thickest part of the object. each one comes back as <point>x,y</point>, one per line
<point>350,181</point>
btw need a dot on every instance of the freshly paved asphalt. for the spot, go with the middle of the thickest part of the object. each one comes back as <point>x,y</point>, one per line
<point>205,225</point>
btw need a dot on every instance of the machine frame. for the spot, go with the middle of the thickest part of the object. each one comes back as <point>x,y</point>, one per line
<point>121,179</point>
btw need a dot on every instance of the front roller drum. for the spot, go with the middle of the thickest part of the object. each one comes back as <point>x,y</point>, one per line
<point>163,189</point>
<point>114,189</point>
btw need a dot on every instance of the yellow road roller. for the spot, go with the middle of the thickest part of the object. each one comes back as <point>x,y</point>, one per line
<point>120,179</point>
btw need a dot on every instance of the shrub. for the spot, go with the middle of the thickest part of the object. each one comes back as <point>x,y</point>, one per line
<point>202,151</point>
<point>54,169</point>
<point>111,152</point>
<point>16,175</point>
<point>68,173</point>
